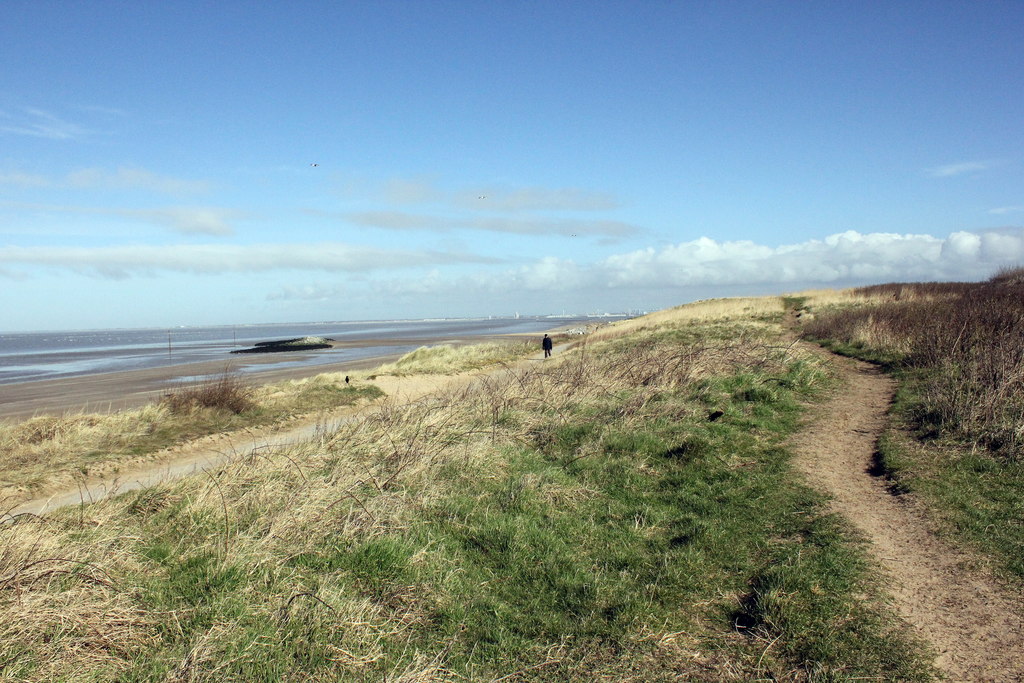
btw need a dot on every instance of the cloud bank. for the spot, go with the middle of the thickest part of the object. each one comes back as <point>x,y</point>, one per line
<point>127,177</point>
<point>188,220</point>
<point>398,220</point>
<point>96,178</point>
<point>125,261</point>
<point>841,259</point>
<point>491,198</point>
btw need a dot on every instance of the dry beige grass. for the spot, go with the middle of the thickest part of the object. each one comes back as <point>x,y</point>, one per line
<point>53,451</point>
<point>50,449</point>
<point>817,299</point>
<point>446,358</point>
<point>349,484</point>
<point>747,309</point>
<point>49,452</point>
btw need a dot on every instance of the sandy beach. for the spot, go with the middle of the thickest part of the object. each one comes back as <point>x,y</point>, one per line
<point>108,392</point>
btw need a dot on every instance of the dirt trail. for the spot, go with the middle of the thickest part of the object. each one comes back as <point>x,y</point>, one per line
<point>973,623</point>
<point>209,451</point>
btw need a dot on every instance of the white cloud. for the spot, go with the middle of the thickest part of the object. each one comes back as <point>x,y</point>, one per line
<point>950,170</point>
<point>842,259</point>
<point>311,292</point>
<point>669,272</point>
<point>123,178</point>
<point>124,261</point>
<point>425,190</point>
<point>189,220</point>
<point>411,191</point>
<point>41,124</point>
<point>132,178</point>
<point>1003,210</point>
<point>563,227</point>
<point>536,199</point>
<point>398,220</point>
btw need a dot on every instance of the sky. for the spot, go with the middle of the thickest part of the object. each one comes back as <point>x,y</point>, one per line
<point>196,163</point>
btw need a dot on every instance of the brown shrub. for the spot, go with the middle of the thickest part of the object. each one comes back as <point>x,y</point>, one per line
<point>968,337</point>
<point>225,392</point>
<point>903,291</point>
<point>1009,275</point>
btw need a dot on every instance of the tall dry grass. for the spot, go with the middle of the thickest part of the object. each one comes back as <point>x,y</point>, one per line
<point>750,313</point>
<point>54,451</point>
<point>829,300</point>
<point>449,358</point>
<point>967,337</point>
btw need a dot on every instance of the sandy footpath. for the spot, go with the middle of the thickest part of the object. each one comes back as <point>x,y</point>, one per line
<point>974,623</point>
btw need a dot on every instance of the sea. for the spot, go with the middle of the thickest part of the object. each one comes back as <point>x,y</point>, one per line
<point>32,356</point>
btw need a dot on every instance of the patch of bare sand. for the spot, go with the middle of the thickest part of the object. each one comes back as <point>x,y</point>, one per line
<point>974,623</point>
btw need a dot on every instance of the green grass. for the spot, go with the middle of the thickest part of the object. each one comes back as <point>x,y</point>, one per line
<point>974,494</point>
<point>794,303</point>
<point>889,360</point>
<point>585,521</point>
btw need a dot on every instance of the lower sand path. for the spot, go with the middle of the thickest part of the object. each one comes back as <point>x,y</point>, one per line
<point>974,623</point>
<point>211,451</point>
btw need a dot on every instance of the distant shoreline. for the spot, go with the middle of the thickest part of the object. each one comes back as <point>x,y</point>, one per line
<point>125,389</point>
<point>30,357</point>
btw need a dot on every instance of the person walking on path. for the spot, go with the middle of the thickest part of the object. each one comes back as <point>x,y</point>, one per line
<point>546,345</point>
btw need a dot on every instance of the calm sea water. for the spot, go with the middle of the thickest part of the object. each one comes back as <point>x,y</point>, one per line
<point>33,356</point>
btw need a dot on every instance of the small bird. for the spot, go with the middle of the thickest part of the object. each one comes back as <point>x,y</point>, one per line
<point>483,196</point>
<point>314,164</point>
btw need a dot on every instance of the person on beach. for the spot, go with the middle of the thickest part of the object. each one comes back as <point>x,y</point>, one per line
<point>546,345</point>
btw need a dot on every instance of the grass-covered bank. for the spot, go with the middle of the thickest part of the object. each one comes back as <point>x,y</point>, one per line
<point>53,451</point>
<point>957,438</point>
<point>50,451</point>
<point>624,512</point>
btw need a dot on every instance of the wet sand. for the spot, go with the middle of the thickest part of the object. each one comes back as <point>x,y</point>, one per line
<point>113,391</point>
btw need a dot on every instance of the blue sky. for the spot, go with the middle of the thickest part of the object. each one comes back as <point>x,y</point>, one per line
<point>188,163</point>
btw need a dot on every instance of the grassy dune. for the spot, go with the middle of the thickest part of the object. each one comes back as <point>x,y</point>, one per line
<point>56,450</point>
<point>447,358</point>
<point>624,511</point>
<point>53,451</point>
